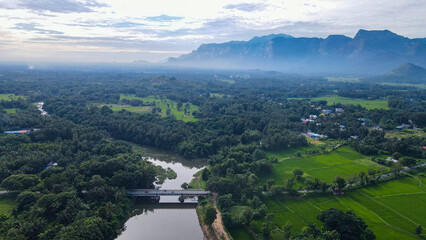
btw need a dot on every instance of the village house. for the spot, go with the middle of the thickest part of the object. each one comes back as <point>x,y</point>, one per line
<point>339,110</point>
<point>403,126</point>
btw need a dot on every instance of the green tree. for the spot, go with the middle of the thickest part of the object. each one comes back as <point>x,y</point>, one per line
<point>348,225</point>
<point>20,182</point>
<point>340,182</point>
<point>396,155</point>
<point>270,183</point>
<point>298,173</point>
<point>25,198</point>
<point>224,202</point>
<point>184,185</point>
<point>418,230</point>
<point>396,168</point>
<point>277,190</point>
<point>352,179</point>
<point>209,214</point>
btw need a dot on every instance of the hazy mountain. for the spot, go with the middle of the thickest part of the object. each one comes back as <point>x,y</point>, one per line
<point>369,52</point>
<point>406,73</point>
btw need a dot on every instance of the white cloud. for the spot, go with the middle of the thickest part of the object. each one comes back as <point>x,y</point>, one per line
<point>165,28</point>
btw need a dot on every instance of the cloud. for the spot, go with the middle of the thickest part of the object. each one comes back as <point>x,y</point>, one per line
<point>163,18</point>
<point>57,6</point>
<point>247,7</point>
<point>32,27</point>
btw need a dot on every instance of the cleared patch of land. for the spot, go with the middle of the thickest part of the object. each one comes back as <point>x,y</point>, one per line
<point>227,81</point>
<point>314,147</point>
<point>368,104</point>
<point>392,210</point>
<point>10,110</point>
<point>151,102</point>
<point>219,95</point>
<point>7,203</point>
<point>326,167</point>
<point>405,133</point>
<point>343,79</point>
<point>197,182</point>
<point>10,97</point>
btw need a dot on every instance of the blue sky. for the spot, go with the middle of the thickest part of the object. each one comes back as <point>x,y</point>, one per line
<point>128,30</point>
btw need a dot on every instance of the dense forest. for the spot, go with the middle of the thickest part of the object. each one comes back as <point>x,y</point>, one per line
<point>88,131</point>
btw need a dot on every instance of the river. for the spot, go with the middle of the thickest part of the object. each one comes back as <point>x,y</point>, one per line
<point>166,221</point>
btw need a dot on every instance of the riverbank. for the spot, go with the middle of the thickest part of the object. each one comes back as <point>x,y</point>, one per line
<point>216,230</point>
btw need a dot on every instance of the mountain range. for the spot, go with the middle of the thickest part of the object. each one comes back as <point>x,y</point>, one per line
<point>369,52</point>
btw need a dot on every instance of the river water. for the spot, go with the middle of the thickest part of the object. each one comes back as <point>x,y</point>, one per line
<point>169,219</point>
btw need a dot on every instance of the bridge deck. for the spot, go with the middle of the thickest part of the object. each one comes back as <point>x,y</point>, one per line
<point>166,192</point>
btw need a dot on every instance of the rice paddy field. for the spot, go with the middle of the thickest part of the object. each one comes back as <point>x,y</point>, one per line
<point>326,167</point>
<point>163,104</point>
<point>392,209</point>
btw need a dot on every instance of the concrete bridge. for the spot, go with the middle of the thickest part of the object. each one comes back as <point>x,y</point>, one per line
<point>167,192</point>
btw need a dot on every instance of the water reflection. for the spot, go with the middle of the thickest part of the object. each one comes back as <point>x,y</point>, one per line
<point>170,219</point>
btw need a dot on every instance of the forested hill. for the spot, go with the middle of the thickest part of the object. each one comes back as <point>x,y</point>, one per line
<point>406,73</point>
<point>368,52</point>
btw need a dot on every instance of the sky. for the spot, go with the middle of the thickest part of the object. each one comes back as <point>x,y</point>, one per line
<point>141,30</point>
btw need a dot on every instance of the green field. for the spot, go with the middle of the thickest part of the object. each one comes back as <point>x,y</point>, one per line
<point>315,145</point>
<point>219,95</point>
<point>10,110</point>
<point>326,167</point>
<point>421,86</point>
<point>368,104</point>
<point>334,99</point>
<point>227,81</point>
<point>343,79</point>
<point>392,210</point>
<point>7,203</point>
<point>163,104</point>
<point>405,133</point>
<point>197,182</point>
<point>10,97</point>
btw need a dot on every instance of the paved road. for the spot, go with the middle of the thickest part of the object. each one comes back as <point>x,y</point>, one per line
<point>160,192</point>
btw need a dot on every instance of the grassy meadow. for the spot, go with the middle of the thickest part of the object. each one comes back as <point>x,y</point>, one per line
<point>10,97</point>
<point>163,104</point>
<point>326,167</point>
<point>343,79</point>
<point>10,110</point>
<point>368,104</point>
<point>404,133</point>
<point>392,209</point>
